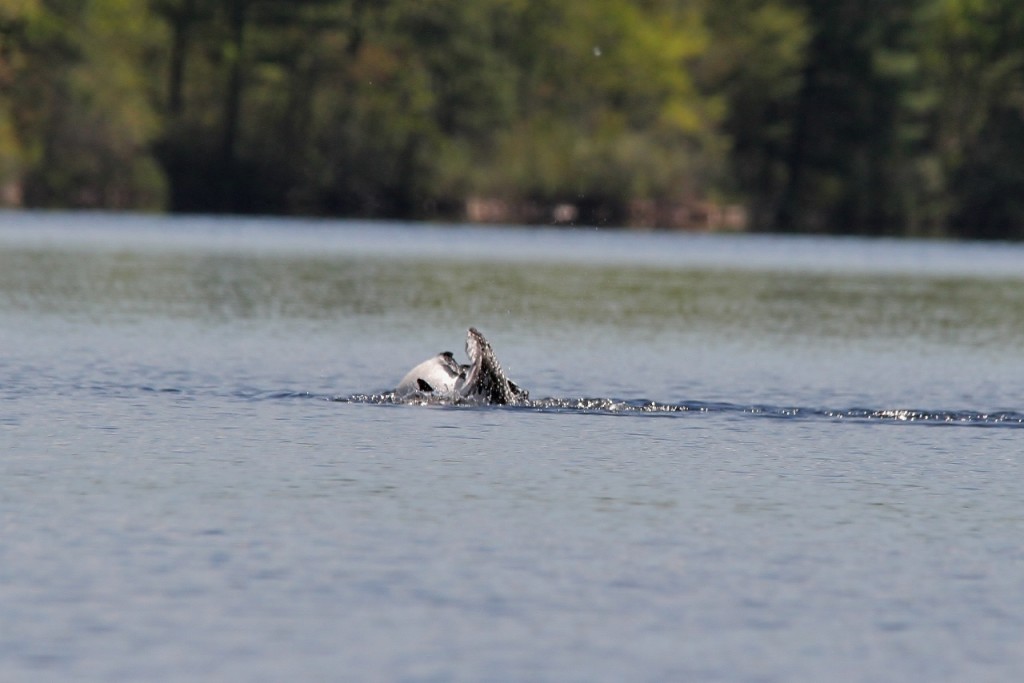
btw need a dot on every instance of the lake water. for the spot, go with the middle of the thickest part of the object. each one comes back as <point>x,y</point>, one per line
<point>746,458</point>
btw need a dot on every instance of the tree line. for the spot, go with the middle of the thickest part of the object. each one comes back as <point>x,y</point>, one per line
<point>870,117</point>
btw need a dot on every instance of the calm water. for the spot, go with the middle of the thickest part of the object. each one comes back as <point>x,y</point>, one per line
<point>748,459</point>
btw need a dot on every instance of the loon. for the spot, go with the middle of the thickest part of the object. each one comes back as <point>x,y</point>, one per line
<point>481,380</point>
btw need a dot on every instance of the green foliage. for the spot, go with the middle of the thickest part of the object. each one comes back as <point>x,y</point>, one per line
<point>79,112</point>
<point>609,110</point>
<point>17,18</point>
<point>974,61</point>
<point>853,116</point>
<point>757,63</point>
<point>845,156</point>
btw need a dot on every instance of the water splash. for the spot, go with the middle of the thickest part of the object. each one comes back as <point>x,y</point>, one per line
<point>599,406</point>
<point>638,407</point>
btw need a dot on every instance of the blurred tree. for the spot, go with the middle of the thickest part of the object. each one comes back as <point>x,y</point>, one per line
<point>756,62</point>
<point>182,17</point>
<point>609,110</point>
<point>262,77</point>
<point>974,56</point>
<point>83,108</point>
<point>18,21</point>
<point>424,89</point>
<point>870,117</point>
<point>845,159</point>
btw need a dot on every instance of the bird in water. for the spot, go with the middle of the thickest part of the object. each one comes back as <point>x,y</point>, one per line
<point>482,379</point>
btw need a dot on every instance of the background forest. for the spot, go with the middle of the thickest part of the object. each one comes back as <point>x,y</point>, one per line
<point>839,116</point>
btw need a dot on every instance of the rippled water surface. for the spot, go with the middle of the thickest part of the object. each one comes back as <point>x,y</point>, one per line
<point>744,458</point>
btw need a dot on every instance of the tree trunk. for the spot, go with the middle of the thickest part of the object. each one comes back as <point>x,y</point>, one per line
<point>233,101</point>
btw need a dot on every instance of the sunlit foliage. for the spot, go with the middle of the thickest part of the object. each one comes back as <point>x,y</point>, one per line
<point>851,116</point>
